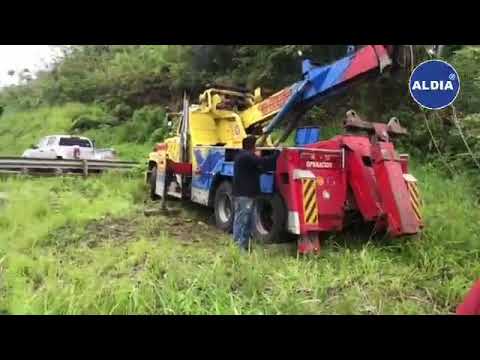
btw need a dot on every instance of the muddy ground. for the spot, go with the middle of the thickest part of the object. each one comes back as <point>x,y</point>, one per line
<point>185,223</point>
<point>188,224</point>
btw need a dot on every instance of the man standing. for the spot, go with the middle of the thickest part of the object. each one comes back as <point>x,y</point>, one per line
<point>246,187</point>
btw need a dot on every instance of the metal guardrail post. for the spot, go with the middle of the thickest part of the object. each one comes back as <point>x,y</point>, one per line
<point>85,168</point>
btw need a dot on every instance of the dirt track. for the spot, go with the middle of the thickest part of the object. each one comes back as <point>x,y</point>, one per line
<point>189,225</point>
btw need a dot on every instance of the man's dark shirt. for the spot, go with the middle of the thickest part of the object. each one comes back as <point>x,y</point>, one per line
<point>247,169</point>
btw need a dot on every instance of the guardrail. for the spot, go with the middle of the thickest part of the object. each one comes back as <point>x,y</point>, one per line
<point>15,165</point>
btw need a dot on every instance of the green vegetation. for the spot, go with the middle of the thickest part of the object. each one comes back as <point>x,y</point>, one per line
<point>71,246</point>
<point>120,80</point>
<point>75,246</point>
<point>132,138</point>
<point>19,130</point>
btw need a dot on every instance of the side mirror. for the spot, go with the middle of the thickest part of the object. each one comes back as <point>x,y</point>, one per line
<point>35,147</point>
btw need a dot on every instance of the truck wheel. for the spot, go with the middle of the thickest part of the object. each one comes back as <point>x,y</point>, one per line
<point>223,207</point>
<point>270,219</point>
<point>152,179</point>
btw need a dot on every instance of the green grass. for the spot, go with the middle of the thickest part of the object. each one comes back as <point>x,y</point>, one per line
<point>21,129</point>
<point>75,246</point>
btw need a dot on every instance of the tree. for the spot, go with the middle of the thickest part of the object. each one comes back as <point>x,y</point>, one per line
<point>25,76</point>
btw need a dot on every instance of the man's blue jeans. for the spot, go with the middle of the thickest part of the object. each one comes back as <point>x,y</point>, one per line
<point>243,221</point>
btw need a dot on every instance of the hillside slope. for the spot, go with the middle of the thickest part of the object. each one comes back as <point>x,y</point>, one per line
<point>21,129</point>
<point>83,246</point>
<point>74,246</point>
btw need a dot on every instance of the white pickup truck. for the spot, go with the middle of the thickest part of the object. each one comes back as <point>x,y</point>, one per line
<point>68,147</point>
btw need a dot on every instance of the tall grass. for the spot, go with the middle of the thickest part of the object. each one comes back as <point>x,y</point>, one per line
<point>75,246</point>
<point>49,265</point>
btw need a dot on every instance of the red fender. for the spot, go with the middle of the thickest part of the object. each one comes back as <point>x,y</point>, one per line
<point>471,303</point>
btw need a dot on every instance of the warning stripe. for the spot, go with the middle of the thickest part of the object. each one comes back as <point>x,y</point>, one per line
<point>310,201</point>
<point>310,191</point>
<point>415,200</point>
<point>311,215</point>
<point>415,193</point>
<point>414,189</point>
<point>417,212</point>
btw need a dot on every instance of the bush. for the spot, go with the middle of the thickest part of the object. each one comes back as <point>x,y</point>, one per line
<point>466,63</point>
<point>147,124</point>
<point>85,122</point>
<point>122,112</point>
<point>151,115</point>
<point>158,135</point>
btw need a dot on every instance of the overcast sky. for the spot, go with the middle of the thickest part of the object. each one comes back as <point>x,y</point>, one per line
<point>19,57</point>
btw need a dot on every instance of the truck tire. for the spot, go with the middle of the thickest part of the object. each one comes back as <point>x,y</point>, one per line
<point>270,220</point>
<point>223,207</point>
<point>152,179</point>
